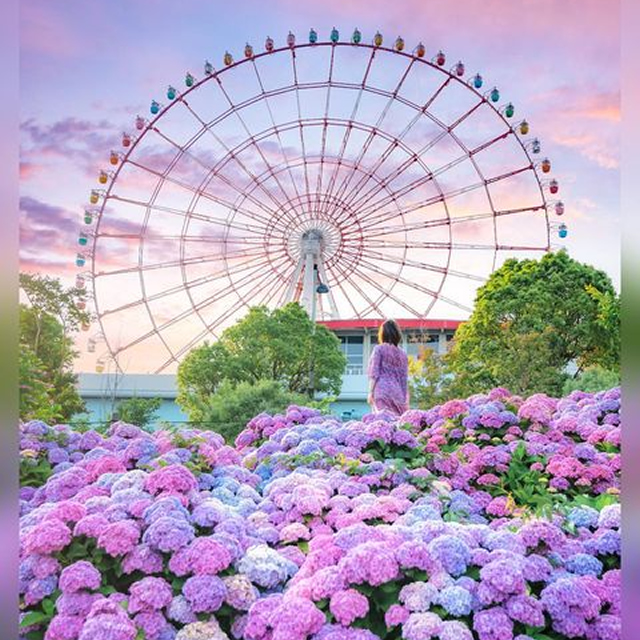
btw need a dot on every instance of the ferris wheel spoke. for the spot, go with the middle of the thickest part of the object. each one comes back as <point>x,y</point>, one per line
<point>187,284</point>
<point>446,130</point>
<point>420,265</point>
<point>243,228</point>
<point>251,138</point>
<point>180,262</point>
<point>415,244</point>
<point>247,171</point>
<point>239,304</point>
<point>376,205</point>
<point>294,184</point>
<point>325,124</point>
<point>372,304</point>
<point>393,145</point>
<point>388,293</point>
<point>443,222</point>
<point>206,194</point>
<point>415,285</point>
<point>300,129</point>
<point>348,129</point>
<point>214,171</point>
<point>374,130</point>
<point>181,316</point>
<point>384,217</point>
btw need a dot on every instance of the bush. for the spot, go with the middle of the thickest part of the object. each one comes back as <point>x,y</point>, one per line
<point>138,411</point>
<point>591,380</point>
<point>232,406</point>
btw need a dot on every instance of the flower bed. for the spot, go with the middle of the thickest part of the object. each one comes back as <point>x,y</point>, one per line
<point>491,518</point>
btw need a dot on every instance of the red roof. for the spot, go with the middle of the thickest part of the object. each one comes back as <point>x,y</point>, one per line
<point>374,323</point>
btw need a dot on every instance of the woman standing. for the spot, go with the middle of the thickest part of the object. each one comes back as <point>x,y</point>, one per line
<point>388,372</point>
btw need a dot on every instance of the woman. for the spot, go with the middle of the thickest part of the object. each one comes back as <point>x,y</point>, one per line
<point>388,372</point>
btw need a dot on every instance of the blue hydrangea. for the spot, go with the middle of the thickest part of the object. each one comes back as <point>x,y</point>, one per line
<point>608,543</point>
<point>456,600</point>
<point>584,565</point>
<point>453,553</point>
<point>169,506</point>
<point>266,567</point>
<point>583,516</point>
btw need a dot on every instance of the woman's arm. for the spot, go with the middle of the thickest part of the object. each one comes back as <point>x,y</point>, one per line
<point>372,388</point>
<point>374,374</point>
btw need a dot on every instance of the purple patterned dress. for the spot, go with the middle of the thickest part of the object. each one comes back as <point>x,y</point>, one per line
<point>388,365</point>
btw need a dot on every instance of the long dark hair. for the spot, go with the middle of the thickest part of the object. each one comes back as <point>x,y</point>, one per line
<point>389,332</point>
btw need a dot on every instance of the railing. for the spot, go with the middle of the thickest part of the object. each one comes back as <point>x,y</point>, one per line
<point>354,370</point>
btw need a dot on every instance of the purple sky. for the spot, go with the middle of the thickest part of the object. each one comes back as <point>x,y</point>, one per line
<point>88,68</point>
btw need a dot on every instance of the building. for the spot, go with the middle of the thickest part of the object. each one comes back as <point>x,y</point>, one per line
<point>101,392</point>
<point>358,337</point>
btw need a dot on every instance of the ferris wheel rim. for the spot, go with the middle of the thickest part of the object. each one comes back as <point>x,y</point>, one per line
<point>149,126</point>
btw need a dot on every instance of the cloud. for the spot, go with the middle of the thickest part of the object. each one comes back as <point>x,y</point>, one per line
<point>48,234</point>
<point>70,140</point>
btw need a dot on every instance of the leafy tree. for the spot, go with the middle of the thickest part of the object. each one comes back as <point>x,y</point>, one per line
<point>592,379</point>
<point>428,380</point>
<point>35,401</point>
<point>233,405</point>
<point>47,324</point>
<point>531,319</point>
<point>608,321</point>
<point>138,411</point>
<point>521,365</point>
<point>280,345</point>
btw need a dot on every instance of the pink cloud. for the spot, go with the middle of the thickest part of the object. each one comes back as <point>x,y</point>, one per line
<point>72,138</point>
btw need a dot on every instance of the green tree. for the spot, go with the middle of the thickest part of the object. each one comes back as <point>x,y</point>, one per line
<point>138,411</point>
<point>35,401</point>
<point>531,319</point>
<point>428,381</point>
<point>47,324</point>
<point>233,405</point>
<point>592,379</point>
<point>280,345</point>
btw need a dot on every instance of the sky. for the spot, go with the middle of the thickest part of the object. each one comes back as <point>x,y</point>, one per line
<point>87,69</point>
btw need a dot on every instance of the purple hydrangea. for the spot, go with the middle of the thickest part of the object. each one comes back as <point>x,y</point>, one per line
<point>204,593</point>
<point>79,575</point>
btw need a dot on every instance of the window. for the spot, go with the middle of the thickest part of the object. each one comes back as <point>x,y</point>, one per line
<point>353,349</point>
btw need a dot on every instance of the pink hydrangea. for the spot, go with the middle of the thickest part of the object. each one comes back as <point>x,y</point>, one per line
<point>47,537</point>
<point>119,537</point>
<point>174,478</point>
<point>348,605</point>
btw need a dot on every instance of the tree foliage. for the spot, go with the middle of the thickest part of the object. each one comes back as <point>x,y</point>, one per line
<point>138,411</point>
<point>592,379</point>
<point>428,380</point>
<point>234,404</point>
<point>47,324</point>
<point>280,345</point>
<point>531,319</point>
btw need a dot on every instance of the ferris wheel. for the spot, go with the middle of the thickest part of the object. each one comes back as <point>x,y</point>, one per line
<point>391,182</point>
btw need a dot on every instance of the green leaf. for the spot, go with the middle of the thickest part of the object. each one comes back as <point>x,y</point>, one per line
<point>48,606</point>
<point>34,617</point>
